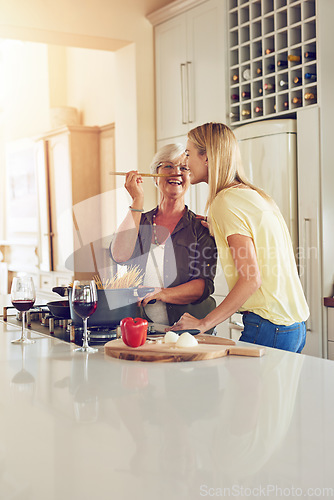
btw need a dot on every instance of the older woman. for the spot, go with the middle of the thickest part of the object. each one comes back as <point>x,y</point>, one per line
<point>169,243</point>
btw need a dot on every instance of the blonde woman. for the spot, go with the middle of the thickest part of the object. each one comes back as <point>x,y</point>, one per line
<point>253,243</point>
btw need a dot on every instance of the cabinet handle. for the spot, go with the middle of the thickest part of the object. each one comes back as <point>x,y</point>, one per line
<point>235,325</point>
<point>190,83</point>
<point>307,268</point>
<point>184,94</point>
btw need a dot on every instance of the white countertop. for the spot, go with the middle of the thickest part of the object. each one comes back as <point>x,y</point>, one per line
<point>78,427</point>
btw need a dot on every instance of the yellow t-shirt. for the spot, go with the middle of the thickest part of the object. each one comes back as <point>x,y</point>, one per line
<point>280,298</point>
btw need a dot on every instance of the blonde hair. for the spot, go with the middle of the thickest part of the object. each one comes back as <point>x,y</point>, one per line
<point>219,144</point>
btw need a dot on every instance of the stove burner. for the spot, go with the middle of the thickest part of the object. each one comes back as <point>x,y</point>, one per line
<point>40,318</point>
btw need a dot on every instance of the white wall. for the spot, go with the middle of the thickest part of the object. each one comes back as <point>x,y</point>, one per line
<point>26,89</point>
<point>91,84</point>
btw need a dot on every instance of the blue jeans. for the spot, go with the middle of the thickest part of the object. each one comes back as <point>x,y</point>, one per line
<point>261,331</point>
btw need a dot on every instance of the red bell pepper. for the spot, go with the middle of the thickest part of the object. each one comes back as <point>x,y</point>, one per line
<point>134,331</point>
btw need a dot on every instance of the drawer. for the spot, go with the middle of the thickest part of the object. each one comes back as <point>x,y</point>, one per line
<point>330,351</point>
<point>46,282</point>
<point>330,325</point>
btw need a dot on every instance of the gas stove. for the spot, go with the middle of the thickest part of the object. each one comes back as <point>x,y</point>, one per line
<point>42,321</point>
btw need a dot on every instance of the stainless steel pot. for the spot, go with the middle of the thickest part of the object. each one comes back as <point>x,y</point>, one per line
<point>112,306</point>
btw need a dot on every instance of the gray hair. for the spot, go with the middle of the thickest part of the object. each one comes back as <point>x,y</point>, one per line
<point>167,153</point>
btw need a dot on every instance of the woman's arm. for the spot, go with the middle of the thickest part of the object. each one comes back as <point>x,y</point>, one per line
<point>249,280</point>
<point>182,294</point>
<point>125,238</point>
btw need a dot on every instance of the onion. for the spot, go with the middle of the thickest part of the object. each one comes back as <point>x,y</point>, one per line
<point>171,337</point>
<point>186,340</point>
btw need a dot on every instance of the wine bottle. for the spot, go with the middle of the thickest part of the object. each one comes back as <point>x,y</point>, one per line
<point>235,97</point>
<point>296,100</point>
<point>261,90</point>
<point>258,109</point>
<point>281,63</point>
<point>297,79</point>
<point>309,96</point>
<point>269,51</point>
<point>245,112</point>
<point>285,105</point>
<point>283,83</point>
<point>310,76</point>
<point>293,58</point>
<point>234,115</point>
<point>246,74</point>
<point>310,55</point>
<point>269,86</point>
<point>235,78</point>
<point>259,70</point>
<point>271,67</point>
<point>245,95</point>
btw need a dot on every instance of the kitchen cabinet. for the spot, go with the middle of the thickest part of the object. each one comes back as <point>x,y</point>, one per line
<point>108,183</point>
<point>329,303</point>
<point>68,175</point>
<point>189,57</point>
<point>309,222</point>
<point>330,332</point>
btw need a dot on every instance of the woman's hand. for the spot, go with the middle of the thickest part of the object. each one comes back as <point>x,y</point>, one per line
<point>204,220</point>
<point>133,185</point>
<point>188,322</point>
<point>157,294</point>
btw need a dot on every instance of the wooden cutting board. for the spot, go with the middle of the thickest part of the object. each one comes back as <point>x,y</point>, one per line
<point>209,347</point>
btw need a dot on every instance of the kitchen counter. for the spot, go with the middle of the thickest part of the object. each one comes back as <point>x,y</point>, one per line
<point>78,427</point>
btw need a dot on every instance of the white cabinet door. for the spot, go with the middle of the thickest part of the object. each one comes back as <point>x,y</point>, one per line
<point>61,200</point>
<point>309,223</point>
<point>171,58</point>
<point>44,231</point>
<point>68,162</point>
<point>190,55</point>
<point>205,63</point>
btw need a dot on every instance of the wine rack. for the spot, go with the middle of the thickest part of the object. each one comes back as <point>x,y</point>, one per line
<point>272,57</point>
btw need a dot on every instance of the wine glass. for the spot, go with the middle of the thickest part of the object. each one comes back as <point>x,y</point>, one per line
<point>23,297</point>
<point>84,303</point>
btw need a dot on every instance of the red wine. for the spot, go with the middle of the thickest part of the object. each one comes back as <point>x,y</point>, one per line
<point>23,305</point>
<point>84,309</point>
